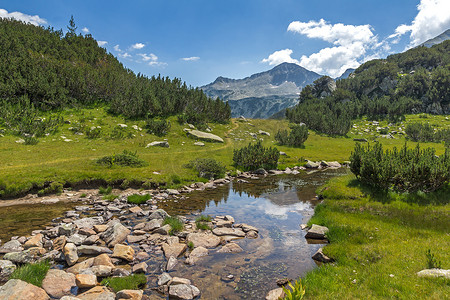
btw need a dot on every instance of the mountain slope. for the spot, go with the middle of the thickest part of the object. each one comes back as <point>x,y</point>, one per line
<point>437,40</point>
<point>274,90</point>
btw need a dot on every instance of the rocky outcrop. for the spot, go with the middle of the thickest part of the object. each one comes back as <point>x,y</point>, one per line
<point>204,136</point>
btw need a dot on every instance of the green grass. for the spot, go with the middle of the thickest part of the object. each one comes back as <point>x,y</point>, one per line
<point>132,282</point>
<point>200,222</point>
<point>32,273</point>
<point>175,224</point>
<point>105,191</point>
<point>110,197</point>
<point>138,199</point>
<point>379,244</point>
<point>55,159</point>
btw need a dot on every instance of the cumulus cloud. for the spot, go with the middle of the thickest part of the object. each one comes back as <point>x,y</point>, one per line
<point>102,43</point>
<point>35,20</point>
<point>137,46</point>
<point>151,59</point>
<point>432,19</point>
<point>192,58</point>
<point>124,55</point>
<point>349,46</point>
<point>85,30</point>
<point>279,57</point>
<point>117,48</point>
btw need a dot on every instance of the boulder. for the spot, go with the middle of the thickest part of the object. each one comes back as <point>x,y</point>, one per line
<point>16,289</point>
<point>229,231</point>
<point>77,239</point>
<point>360,140</point>
<point>130,294</point>
<point>27,256</point>
<point>140,268</point>
<point>204,136</point>
<point>246,228</point>
<point>76,269</point>
<point>6,269</point>
<point>92,250</point>
<point>34,241</point>
<point>196,254</point>
<point>173,249</point>
<point>152,225</point>
<point>99,271</point>
<point>164,278</point>
<point>86,281</point>
<point>203,239</point>
<point>71,254</point>
<point>275,294</point>
<point>91,240</point>
<point>103,260</point>
<point>319,256</point>
<point>58,283</point>
<point>97,293</point>
<point>183,291</point>
<point>133,239</point>
<point>312,165</point>
<point>59,243</point>
<point>230,248</point>
<point>433,273</point>
<point>261,132</point>
<point>164,230</point>
<point>66,229</point>
<point>158,214</point>
<point>123,252</point>
<point>164,144</point>
<point>88,222</point>
<point>316,232</point>
<point>115,234</point>
<point>11,246</point>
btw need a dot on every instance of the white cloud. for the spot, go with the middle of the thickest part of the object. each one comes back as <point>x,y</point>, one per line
<point>137,46</point>
<point>117,48</point>
<point>35,20</point>
<point>102,43</point>
<point>85,30</point>
<point>279,57</point>
<point>124,55</point>
<point>151,59</point>
<point>432,19</point>
<point>350,44</point>
<point>192,58</point>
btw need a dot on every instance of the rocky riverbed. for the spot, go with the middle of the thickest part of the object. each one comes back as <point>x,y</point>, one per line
<point>100,238</point>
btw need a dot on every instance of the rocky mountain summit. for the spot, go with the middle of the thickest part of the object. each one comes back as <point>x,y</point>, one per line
<point>271,91</point>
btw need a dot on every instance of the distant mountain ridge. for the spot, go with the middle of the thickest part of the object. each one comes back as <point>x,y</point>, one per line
<point>274,89</point>
<point>437,40</point>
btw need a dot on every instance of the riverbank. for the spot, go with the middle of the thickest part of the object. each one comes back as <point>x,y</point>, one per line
<point>67,158</point>
<point>379,243</point>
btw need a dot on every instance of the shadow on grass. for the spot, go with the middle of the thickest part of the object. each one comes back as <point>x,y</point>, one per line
<point>439,197</point>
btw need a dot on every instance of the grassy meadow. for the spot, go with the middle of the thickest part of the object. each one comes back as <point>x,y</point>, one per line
<point>69,159</point>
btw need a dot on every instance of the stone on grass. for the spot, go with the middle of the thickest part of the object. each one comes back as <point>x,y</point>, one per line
<point>316,232</point>
<point>433,273</point>
<point>205,136</point>
<point>58,283</point>
<point>319,256</point>
<point>312,165</point>
<point>164,144</point>
<point>16,289</point>
<point>25,257</point>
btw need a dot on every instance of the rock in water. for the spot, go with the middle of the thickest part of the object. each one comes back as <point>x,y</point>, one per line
<point>183,291</point>
<point>317,232</point>
<point>16,289</point>
<point>205,136</point>
<point>203,239</point>
<point>275,294</point>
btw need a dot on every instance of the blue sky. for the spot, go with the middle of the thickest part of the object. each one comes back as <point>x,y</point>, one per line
<point>198,41</point>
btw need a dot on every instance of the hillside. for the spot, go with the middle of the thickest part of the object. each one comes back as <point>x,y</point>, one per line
<point>45,69</point>
<point>270,91</point>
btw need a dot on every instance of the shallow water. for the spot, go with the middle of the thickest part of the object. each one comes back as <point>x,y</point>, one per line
<point>276,205</point>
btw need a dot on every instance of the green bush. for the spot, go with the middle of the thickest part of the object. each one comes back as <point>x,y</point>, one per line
<point>404,170</point>
<point>32,273</point>
<point>296,137</point>
<point>256,156</point>
<point>138,199</point>
<point>131,282</point>
<point>157,127</point>
<point>175,224</point>
<point>207,168</point>
<point>126,158</point>
<point>30,140</point>
<point>93,132</point>
<point>420,132</point>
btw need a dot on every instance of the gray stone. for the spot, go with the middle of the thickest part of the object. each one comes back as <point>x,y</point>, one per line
<point>6,269</point>
<point>24,257</point>
<point>92,250</point>
<point>230,248</point>
<point>203,239</point>
<point>205,136</point>
<point>360,140</point>
<point>316,232</point>
<point>171,263</point>
<point>183,291</point>
<point>433,273</point>
<point>140,268</point>
<point>229,231</point>
<point>199,144</point>
<point>164,278</point>
<point>159,214</point>
<point>263,133</point>
<point>196,254</point>
<point>76,239</point>
<point>153,224</point>
<point>88,222</point>
<point>319,256</point>
<point>11,246</point>
<point>71,254</point>
<point>164,230</point>
<point>66,229</point>
<point>164,144</point>
<point>91,240</point>
<point>99,271</point>
<point>312,165</point>
<point>115,234</point>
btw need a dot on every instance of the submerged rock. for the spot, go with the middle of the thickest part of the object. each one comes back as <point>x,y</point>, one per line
<point>230,248</point>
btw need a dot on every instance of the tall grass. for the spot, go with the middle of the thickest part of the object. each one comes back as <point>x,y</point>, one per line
<point>32,273</point>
